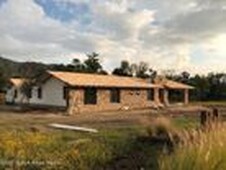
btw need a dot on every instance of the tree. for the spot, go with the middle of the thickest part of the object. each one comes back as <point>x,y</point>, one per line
<point>142,70</point>
<point>123,70</point>
<point>185,76</point>
<point>152,74</point>
<point>78,65</point>
<point>76,62</point>
<point>92,63</point>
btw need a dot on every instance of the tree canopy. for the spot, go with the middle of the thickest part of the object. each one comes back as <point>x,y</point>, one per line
<point>140,70</point>
<point>91,64</point>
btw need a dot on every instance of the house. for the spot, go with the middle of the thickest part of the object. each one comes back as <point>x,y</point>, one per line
<point>171,88</point>
<point>82,92</point>
<point>14,94</point>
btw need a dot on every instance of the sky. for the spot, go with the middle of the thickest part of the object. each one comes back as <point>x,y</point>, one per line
<point>184,35</point>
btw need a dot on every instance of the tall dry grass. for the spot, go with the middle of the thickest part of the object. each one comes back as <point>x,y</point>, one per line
<point>162,128</point>
<point>197,150</point>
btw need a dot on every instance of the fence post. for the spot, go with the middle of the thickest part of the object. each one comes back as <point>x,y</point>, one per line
<point>203,118</point>
<point>216,115</point>
<point>208,118</point>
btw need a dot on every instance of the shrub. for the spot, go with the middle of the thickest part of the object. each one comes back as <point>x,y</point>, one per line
<point>162,128</point>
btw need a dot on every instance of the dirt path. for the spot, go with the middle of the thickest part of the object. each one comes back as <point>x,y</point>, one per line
<point>35,118</point>
<point>104,119</point>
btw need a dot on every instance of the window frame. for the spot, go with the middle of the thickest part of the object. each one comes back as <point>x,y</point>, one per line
<point>115,95</point>
<point>150,95</point>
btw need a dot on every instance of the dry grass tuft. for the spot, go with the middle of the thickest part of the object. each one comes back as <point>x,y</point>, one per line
<point>198,149</point>
<point>162,128</point>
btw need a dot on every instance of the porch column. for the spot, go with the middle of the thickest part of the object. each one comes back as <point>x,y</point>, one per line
<point>186,96</point>
<point>156,95</point>
<point>166,97</point>
<point>70,103</point>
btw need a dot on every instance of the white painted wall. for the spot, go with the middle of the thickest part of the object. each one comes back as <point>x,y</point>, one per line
<point>52,93</point>
<point>10,96</point>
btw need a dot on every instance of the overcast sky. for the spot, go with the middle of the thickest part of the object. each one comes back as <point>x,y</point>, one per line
<point>168,34</point>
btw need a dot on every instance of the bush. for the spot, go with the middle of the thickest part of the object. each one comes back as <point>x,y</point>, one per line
<point>162,128</point>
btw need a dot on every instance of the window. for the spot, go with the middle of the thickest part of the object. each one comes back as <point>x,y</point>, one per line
<point>115,95</point>
<point>65,93</point>
<point>15,93</point>
<point>90,96</point>
<point>150,94</point>
<point>39,92</point>
<point>29,93</point>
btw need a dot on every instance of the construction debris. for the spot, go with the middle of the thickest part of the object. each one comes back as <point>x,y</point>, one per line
<point>70,127</point>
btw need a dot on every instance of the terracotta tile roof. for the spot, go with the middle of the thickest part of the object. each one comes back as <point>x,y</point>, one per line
<point>17,81</point>
<point>85,80</point>
<point>173,84</point>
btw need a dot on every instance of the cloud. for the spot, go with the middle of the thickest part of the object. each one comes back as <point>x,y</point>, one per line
<point>116,21</point>
<point>200,24</point>
<point>27,33</point>
<point>160,32</point>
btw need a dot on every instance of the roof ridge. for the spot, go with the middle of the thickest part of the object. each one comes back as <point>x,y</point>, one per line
<point>96,74</point>
<point>88,79</point>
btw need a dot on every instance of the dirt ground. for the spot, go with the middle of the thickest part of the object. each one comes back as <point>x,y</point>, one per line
<point>41,119</point>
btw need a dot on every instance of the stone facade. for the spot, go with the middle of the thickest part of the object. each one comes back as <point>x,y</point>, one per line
<point>129,99</point>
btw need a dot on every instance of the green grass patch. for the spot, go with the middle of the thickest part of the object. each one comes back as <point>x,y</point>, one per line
<point>209,103</point>
<point>65,149</point>
<point>186,122</point>
<point>114,147</point>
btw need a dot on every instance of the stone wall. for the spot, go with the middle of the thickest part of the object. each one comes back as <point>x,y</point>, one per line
<point>130,99</point>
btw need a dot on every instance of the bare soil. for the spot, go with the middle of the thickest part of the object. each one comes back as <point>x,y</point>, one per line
<point>41,119</point>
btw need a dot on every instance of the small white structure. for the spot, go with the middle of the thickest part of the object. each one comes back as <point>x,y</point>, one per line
<point>49,92</point>
<point>14,94</point>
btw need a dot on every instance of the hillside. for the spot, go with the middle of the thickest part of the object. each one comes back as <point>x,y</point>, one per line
<point>10,68</point>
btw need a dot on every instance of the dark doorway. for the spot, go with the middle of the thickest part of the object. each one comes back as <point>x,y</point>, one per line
<point>176,96</point>
<point>90,96</point>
